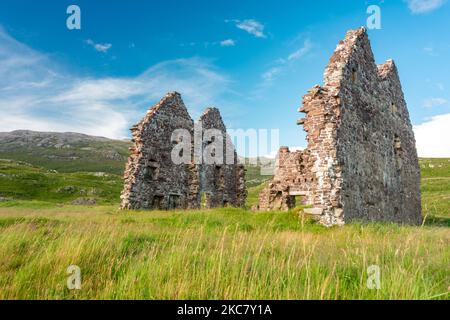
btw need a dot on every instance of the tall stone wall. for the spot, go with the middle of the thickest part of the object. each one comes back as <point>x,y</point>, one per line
<point>212,177</point>
<point>153,181</point>
<point>222,182</point>
<point>376,146</point>
<point>361,159</point>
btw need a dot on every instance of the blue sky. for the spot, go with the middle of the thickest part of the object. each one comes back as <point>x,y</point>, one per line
<point>252,59</point>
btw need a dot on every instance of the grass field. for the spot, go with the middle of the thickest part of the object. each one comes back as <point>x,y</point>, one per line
<point>436,189</point>
<point>21,182</point>
<point>223,253</point>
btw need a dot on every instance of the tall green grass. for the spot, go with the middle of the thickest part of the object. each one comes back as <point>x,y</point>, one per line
<point>436,190</point>
<point>216,254</point>
<point>208,254</point>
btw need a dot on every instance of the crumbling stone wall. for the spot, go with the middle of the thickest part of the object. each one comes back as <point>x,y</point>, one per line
<point>361,160</point>
<point>290,181</point>
<point>222,182</point>
<point>153,181</point>
<point>376,147</point>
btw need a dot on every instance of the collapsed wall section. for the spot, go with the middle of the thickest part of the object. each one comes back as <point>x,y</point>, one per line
<point>291,180</point>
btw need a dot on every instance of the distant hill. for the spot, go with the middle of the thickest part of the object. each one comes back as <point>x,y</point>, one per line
<point>75,152</point>
<point>65,152</point>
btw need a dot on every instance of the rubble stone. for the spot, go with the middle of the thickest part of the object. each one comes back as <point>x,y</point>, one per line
<point>223,183</point>
<point>153,181</point>
<point>361,161</point>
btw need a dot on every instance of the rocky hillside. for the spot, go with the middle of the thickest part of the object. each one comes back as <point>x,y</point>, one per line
<point>65,152</point>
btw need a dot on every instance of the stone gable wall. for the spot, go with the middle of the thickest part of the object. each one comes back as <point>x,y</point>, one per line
<point>153,181</point>
<point>361,161</point>
<point>223,183</point>
<point>376,145</point>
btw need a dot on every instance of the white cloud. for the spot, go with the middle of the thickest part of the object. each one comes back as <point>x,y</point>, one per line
<point>38,94</point>
<point>252,26</point>
<point>307,46</point>
<point>228,43</point>
<point>424,6</point>
<point>100,47</point>
<point>432,137</point>
<point>434,102</point>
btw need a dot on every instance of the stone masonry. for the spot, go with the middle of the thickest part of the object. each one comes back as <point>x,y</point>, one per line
<point>153,181</point>
<point>361,161</point>
<point>222,183</point>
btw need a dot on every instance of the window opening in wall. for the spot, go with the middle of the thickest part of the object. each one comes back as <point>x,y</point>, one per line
<point>393,108</point>
<point>203,199</point>
<point>174,201</point>
<point>151,171</point>
<point>398,152</point>
<point>297,201</point>
<point>158,202</point>
<point>206,199</point>
<point>354,75</point>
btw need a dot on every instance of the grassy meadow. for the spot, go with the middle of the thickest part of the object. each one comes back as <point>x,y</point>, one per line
<point>208,254</point>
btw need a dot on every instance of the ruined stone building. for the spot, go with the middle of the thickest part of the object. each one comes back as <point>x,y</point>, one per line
<point>153,181</point>
<point>361,161</point>
<point>222,183</point>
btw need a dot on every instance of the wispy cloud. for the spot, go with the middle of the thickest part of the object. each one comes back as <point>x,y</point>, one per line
<point>38,95</point>
<point>299,53</point>
<point>434,102</point>
<point>228,43</point>
<point>251,26</point>
<point>429,137</point>
<point>270,74</point>
<point>281,66</point>
<point>282,63</point>
<point>100,47</point>
<point>210,44</point>
<point>424,6</point>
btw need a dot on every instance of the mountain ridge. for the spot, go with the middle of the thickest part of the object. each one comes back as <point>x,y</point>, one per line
<point>65,151</point>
